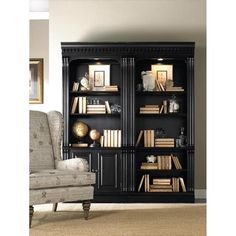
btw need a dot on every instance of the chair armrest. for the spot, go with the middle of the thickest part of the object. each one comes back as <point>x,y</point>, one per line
<point>78,164</point>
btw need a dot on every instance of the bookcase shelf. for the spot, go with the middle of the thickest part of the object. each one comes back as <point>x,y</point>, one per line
<point>162,115</point>
<point>165,172</point>
<point>95,114</point>
<point>160,93</point>
<point>95,93</point>
<point>117,169</point>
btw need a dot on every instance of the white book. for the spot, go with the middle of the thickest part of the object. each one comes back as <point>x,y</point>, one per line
<point>105,137</point>
<point>108,107</point>
<point>112,138</point>
<point>116,138</point>
<point>108,138</point>
<point>80,105</point>
<point>119,138</point>
<point>84,105</point>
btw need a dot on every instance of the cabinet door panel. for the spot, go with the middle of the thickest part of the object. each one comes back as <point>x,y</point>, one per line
<point>109,171</point>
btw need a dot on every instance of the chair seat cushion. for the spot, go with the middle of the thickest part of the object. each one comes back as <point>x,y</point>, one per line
<point>60,178</point>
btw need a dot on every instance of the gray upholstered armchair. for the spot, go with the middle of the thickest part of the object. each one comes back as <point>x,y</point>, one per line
<point>52,179</point>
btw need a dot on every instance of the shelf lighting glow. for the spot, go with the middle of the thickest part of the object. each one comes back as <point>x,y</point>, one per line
<point>160,59</point>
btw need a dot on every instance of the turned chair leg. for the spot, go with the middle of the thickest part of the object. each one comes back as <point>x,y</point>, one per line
<point>31,212</point>
<point>86,207</point>
<point>54,207</point>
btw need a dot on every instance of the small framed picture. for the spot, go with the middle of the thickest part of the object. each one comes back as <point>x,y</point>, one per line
<point>161,76</point>
<point>162,72</point>
<point>99,76</point>
<point>36,81</point>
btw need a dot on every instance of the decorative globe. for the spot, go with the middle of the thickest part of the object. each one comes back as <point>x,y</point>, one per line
<point>80,129</point>
<point>94,134</point>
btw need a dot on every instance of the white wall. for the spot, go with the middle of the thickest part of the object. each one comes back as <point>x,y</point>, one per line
<point>39,48</point>
<point>133,20</point>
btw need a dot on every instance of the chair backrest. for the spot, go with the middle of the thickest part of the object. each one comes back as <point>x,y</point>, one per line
<point>45,139</point>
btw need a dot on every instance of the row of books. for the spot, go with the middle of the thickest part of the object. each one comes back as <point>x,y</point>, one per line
<point>164,162</point>
<point>111,138</point>
<point>150,141</point>
<point>148,138</point>
<point>161,87</point>
<point>154,109</point>
<point>80,105</point>
<point>161,184</point>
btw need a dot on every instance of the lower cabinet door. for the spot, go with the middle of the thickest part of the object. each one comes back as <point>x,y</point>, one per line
<point>109,174</point>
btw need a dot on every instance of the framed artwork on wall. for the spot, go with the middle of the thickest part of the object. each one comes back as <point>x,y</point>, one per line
<point>36,80</point>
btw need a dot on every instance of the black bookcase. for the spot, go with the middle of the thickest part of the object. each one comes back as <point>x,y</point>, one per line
<point>118,172</point>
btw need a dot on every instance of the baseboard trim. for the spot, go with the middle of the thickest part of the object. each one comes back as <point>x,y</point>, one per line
<point>200,193</point>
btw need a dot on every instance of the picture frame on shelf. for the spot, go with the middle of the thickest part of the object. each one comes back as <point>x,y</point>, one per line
<point>162,72</point>
<point>161,76</point>
<point>36,80</point>
<point>99,76</point>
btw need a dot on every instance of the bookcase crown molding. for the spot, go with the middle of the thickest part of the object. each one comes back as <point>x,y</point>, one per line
<point>167,49</point>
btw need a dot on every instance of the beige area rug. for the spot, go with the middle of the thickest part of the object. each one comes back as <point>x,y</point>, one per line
<point>121,220</point>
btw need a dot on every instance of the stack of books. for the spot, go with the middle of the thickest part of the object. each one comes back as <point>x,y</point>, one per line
<point>149,109</point>
<point>161,185</point>
<point>164,162</point>
<point>149,166</point>
<point>164,142</point>
<point>111,138</point>
<point>96,109</point>
<point>111,88</point>
<point>175,89</point>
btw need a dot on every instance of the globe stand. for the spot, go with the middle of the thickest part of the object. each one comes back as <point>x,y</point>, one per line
<point>95,144</point>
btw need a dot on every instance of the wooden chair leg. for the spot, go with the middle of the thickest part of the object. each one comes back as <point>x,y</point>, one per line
<point>31,212</point>
<point>86,207</point>
<point>54,207</point>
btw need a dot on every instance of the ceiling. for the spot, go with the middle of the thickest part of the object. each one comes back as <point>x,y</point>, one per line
<point>38,5</point>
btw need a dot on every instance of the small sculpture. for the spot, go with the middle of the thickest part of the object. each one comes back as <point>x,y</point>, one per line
<point>84,81</point>
<point>151,159</point>
<point>115,109</point>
